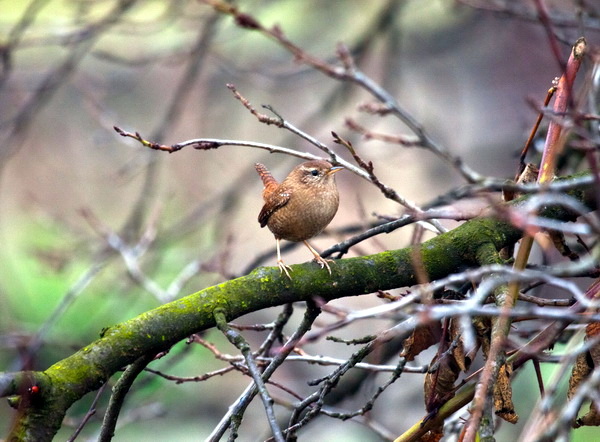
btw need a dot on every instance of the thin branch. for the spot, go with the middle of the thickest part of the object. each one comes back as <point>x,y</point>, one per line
<point>277,329</point>
<point>214,143</point>
<point>90,413</point>
<point>347,72</point>
<point>117,398</point>
<point>244,400</point>
<point>238,340</point>
<point>201,378</point>
<point>315,401</point>
<point>397,372</point>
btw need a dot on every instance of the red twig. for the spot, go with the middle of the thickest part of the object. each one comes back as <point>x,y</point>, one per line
<point>564,96</point>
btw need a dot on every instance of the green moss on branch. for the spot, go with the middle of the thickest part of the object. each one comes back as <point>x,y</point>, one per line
<point>65,382</point>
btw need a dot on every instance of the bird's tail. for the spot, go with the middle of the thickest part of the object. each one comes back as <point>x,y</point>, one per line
<point>269,182</point>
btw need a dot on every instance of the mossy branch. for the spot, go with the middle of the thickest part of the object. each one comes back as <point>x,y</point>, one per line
<point>62,384</point>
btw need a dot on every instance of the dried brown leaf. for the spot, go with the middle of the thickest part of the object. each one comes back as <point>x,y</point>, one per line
<point>581,370</point>
<point>422,338</point>
<point>529,175</point>
<point>439,384</point>
<point>432,436</point>
<point>458,352</point>
<point>558,240</point>
<point>592,331</point>
<point>503,403</point>
<point>584,365</point>
<point>590,419</point>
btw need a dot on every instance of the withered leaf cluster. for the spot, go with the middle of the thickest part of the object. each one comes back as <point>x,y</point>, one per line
<point>451,360</point>
<point>584,365</point>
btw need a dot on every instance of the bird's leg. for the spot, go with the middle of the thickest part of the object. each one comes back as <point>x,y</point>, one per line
<point>282,267</point>
<point>320,260</point>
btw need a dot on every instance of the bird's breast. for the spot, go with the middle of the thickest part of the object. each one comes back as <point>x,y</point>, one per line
<point>306,214</point>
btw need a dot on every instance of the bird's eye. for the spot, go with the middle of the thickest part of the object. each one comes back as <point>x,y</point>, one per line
<point>314,172</point>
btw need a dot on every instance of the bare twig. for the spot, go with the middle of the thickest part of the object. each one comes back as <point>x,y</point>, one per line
<point>117,399</point>
<point>90,413</point>
<point>554,143</point>
<point>238,340</point>
<point>214,143</point>
<point>244,400</point>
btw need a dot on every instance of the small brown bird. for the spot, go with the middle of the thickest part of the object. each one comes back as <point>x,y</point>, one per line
<point>301,206</point>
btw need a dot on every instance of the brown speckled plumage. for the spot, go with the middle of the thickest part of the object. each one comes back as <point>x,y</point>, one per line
<point>301,206</point>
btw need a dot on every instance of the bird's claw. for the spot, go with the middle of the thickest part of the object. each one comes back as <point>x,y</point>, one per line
<point>324,262</point>
<point>283,268</point>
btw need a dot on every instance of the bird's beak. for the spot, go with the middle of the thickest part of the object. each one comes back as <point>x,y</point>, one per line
<point>334,170</point>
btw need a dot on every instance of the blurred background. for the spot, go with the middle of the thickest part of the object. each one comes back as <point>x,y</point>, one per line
<point>95,229</point>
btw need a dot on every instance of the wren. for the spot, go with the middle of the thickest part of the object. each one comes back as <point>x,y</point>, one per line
<point>299,207</point>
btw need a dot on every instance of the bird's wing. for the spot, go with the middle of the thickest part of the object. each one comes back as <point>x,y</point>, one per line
<point>273,202</point>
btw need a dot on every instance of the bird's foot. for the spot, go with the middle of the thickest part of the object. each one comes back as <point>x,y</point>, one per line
<point>320,260</point>
<point>283,268</point>
<point>324,262</point>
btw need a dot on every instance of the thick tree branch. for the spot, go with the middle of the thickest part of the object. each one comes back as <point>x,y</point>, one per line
<point>157,330</point>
